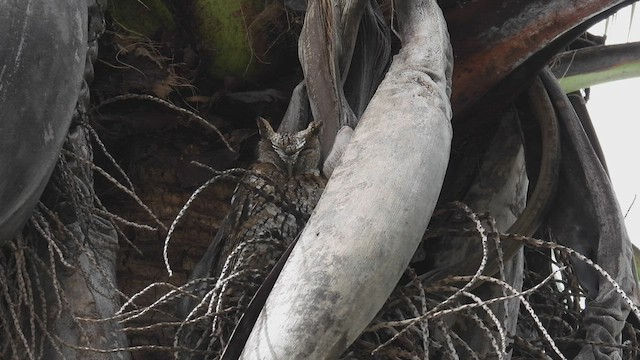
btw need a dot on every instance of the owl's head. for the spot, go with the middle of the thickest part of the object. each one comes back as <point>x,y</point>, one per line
<point>293,153</point>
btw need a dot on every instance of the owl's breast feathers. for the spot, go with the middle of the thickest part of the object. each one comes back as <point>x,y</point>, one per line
<point>268,210</point>
<point>272,210</point>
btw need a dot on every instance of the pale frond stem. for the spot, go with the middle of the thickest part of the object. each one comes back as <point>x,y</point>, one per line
<point>173,293</point>
<point>165,249</point>
<point>501,331</point>
<point>106,153</point>
<point>485,329</point>
<point>598,268</point>
<point>190,114</point>
<point>464,345</point>
<point>119,186</point>
<point>435,314</point>
<point>447,338</point>
<point>14,317</point>
<point>51,243</point>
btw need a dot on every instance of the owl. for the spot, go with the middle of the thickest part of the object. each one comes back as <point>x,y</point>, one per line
<point>269,208</point>
<point>294,153</point>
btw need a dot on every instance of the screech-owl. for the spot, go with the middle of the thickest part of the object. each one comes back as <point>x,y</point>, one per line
<point>295,153</point>
<point>268,210</point>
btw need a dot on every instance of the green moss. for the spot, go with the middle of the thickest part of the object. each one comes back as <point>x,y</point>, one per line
<point>222,26</point>
<point>146,17</point>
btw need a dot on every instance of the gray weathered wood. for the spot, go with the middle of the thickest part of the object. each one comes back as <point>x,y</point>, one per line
<point>42,54</point>
<point>375,208</point>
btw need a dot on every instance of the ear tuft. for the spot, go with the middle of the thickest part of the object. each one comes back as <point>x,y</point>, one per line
<point>315,126</point>
<point>312,129</point>
<point>265,129</point>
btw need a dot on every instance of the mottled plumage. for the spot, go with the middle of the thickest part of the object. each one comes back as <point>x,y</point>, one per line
<point>288,171</point>
<point>296,153</point>
<point>268,210</point>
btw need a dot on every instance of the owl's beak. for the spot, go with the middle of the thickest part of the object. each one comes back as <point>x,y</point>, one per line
<point>290,162</point>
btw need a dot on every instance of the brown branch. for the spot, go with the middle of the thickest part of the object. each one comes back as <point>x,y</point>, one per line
<point>509,33</point>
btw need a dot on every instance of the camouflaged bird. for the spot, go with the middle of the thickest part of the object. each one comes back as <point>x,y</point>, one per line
<point>268,210</point>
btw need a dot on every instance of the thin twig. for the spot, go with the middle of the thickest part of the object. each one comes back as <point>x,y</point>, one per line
<point>632,202</point>
<point>191,115</point>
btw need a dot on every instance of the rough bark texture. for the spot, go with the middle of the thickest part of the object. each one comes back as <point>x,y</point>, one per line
<point>348,258</point>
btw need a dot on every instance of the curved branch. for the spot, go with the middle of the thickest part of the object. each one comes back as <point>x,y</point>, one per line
<point>516,30</point>
<point>375,208</point>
